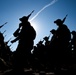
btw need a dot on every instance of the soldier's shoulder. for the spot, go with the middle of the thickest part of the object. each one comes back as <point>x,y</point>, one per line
<point>65,26</point>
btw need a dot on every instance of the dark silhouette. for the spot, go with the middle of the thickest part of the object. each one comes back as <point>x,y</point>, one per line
<point>2,45</point>
<point>73,44</point>
<point>60,42</point>
<point>57,55</point>
<point>25,35</point>
<point>73,41</point>
<point>53,31</point>
<point>46,39</point>
<point>4,54</point>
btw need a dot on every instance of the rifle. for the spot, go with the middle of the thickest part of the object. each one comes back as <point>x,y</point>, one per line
<point>3,24</point>
<point>4,32</point>
<point>64,18</point>
<point>30,14</point>
<point>8,40</point>
<point>15,40</point>
<point>16,32</point>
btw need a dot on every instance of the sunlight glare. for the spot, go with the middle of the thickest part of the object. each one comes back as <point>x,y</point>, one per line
<point>35,25</point>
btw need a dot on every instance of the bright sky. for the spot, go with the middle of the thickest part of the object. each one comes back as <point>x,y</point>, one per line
<point>46,11</point>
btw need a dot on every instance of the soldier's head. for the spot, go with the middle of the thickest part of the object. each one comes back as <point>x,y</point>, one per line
<point>73,32</point>
<point>45,38</point>
<point>58,22</point>
<point>24,18</point>
<point>53,31</point>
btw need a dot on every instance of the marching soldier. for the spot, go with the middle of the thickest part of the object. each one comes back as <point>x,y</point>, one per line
<point>61,41</point>
<point>25,35</point>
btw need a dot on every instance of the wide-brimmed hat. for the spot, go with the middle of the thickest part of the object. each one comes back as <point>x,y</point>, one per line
<point>24,18</point>
<point>73,32</point>
<point>45,38</point>
<point>58,21</point>
<point>53,31</point>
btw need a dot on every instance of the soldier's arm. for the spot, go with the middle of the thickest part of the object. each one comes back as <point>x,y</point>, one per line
<point>15,40</point>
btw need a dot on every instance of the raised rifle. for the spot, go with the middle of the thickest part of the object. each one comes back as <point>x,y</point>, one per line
<point>64,18</point>
<point>3,24</point>
<point>30,14</point>
<point>17,31</point>
<point>4,32</point>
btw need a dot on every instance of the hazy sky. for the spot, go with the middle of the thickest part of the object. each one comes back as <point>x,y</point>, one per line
<point>45,13</point>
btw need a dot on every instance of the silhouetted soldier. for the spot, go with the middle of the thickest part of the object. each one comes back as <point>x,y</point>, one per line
<point>46,39</point>
<point>52,50</point>
<point>73,43</point>
<point>46,50</point>
<point>63,37</point>
<point>53,41</point>
<point>1,44</point>
<point>2,53</point>
<point>26,35</point>
<point>39,54</point>
<point>8,54</point>
<point>62,34</point>
<point>53,31</point>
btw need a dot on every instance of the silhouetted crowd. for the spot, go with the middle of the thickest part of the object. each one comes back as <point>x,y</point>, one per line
<point>55,54</point>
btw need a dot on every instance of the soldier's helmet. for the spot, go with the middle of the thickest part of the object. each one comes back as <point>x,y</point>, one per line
<point>53,31</point>
<point>45,38</point>
<point>58,21</point>
<point>24,18</point>
<point>73,32</point>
